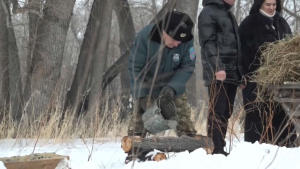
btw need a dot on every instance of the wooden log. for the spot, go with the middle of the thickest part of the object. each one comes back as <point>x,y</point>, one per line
<point>137,145</point>
<point>160,157</point>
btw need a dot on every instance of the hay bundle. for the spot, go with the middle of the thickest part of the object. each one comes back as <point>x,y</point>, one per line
<point>281,63</point>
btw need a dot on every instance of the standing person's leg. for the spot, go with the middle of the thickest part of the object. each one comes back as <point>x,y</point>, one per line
<point>230,96</point>
<point>136,125</point>
<point>185,124</point>
<point>218,102</point>
<point>285,133</point>
<point>253,123</point>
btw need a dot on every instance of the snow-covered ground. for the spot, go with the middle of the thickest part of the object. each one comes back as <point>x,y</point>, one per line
<point>105,154</point>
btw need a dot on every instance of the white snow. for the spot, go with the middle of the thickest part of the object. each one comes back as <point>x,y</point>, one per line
<point>2,165</point>
<point>110,155</point>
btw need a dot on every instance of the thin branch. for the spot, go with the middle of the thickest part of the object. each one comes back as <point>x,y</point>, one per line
<point>9,25</point>
<point>86,2</point>
<point>291,13</point>
<point>28,9</point>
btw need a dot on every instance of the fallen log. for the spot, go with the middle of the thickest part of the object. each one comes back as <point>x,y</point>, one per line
<point>138,145</point>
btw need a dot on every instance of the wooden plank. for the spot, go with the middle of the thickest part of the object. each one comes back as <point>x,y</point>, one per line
<point>38,164</point>
<point>291,83</point>
<point>287,100</point>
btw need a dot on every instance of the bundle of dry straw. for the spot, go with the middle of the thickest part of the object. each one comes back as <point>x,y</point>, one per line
<point>280,63</point>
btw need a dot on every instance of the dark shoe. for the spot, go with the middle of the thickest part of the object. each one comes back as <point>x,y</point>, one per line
<point>140,158</point>
<point>220,151</point>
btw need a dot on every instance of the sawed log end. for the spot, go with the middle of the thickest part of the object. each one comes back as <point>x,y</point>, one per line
<point>160,157</point>
<point>126,142</point>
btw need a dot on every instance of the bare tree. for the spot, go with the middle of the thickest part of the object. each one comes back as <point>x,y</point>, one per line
<point>154,8</point>
<point>78,92</point>
<point>100,56</point>
<point>48,53</point>
<point>291,13</point>
<point>296,20</point>
<point>4,55</point>
<point>127,36</point>
<point>34,18</point>
<point>15,88</point>
<point>164,2</point>
<point>191,8</point>
<point>238,11</point>
<point>15,5</point>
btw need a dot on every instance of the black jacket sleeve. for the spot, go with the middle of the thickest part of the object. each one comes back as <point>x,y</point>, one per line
<point>249,47</point>
<point>207,27</point>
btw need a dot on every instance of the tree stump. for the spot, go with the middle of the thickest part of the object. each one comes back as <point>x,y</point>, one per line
<point>140,146</point>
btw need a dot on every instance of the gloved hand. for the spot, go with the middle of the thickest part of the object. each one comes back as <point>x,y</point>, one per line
<point>143,102</point>
<point>167,93</point>
<point>168,110</point>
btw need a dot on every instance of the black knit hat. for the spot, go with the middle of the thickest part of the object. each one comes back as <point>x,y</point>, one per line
<point>176,24</point>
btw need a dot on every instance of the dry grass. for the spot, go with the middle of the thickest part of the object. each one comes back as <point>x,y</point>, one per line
<point>51,126</point>
<point>46,126</point>
<point>281,63</point>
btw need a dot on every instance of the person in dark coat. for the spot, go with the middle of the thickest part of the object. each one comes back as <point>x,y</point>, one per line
<point>222,65</point>
<point>161,62</point>
<point>263,25</point>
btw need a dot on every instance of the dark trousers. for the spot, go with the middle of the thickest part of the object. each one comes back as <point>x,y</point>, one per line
<point>265,122</point>
<point>253,120</point>
<point>221,101</point>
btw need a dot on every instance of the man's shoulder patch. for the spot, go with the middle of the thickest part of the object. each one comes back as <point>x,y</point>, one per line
<point>192,53</point>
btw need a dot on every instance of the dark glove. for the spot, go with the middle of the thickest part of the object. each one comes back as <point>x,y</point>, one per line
<point>168,110</point>
<point>143,103</point>
<point>167,93</point>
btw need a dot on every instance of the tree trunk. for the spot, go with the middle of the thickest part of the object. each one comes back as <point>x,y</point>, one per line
<point>191,8</point>
<point>127,36</point>
<point>100,57</point>
<point>48,53</point>
<point>154,8</point>
<point>296,20</point>
<point>34,20</point>
<point>138,145</point>
<point>15,5</point>
<point>76,94</point>
<point>4,55</point>
<point>282,5</point>
<point>120,64</point>
<point>238,11</point>
<point>164,2</point>
<point>15,88</point>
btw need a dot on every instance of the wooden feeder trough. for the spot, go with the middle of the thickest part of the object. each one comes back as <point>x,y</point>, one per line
<point>33,161</point>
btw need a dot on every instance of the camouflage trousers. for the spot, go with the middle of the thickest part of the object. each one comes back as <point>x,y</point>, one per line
<point>184,126</point>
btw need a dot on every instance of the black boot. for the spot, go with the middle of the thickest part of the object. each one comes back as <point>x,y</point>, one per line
<point>140,157</point>
<point>220,151</point>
